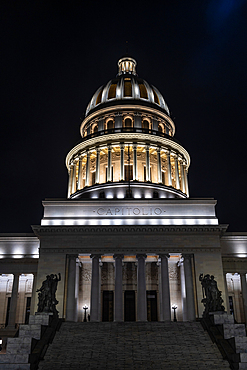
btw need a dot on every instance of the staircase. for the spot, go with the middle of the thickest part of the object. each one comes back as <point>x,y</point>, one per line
<point>156,345</point>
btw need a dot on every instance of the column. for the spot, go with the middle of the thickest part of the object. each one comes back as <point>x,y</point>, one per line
<point>186,181</point>
<point>176,172</point>
<point>227,296</point>
<point>169,171</point>
<point>182,176</point>
<point>88,169</point>
<point>73,190</point>
<point>121,162</point>
<point>97,177</point>
<point>165,288</point>
<point>95,286</point>
<point>109,164</point>
<point>183,290</point>
<point>134,162</point>
<point>33,308</point>
<point>71,301</point>
<point>118,296</point>
<point>141,288</point>
<point>190,302</point>
<point>147,163</point>
<point>79,183</point>
<point>70,180</point>
<point>13,302</point>
<point>159,166</point>
<point>244,293</point>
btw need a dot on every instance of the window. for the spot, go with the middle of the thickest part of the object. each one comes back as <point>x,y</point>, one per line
<point>112,91</point>
<point>99,97</point>
<point>143,91</point>
<point>160,128</point>
<point>163,177</point>
<point>127,122</point>
<point>127,87</point>
<point>110,124</point>
<point>93,177</point>
<point>156,99</point>
<point>145,124</point>
<point>128,172</point>
<point>95,129</point>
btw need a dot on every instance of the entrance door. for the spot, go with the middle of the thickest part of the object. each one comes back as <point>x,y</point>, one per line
<point>129,305</point>
<point>151,305</point>
<point>107,314</point>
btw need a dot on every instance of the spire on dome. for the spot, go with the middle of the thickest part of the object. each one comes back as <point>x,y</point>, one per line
<point>126,65</point>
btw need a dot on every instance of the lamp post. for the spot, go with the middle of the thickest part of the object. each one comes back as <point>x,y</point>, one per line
<point>85,311</point>
<point>174,307</point>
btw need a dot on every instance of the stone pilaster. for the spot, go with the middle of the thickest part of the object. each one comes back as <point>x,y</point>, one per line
<point>95,286</point>
<point>13,302</point>
<point>190,302</point>
<point>141,288</point>
<point>165,288</point>
<point>71,300</point>
<point>118,297</point>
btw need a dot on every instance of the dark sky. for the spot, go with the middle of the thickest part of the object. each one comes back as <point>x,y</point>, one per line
<point>54,55</point>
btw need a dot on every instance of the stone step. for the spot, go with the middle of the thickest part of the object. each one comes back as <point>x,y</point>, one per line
<point>234,330</point>
<point>132,346</point>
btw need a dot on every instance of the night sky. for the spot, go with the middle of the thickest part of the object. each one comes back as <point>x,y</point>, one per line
<point>54,55</point>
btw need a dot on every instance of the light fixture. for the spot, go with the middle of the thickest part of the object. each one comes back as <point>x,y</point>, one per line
<point>85,311</point>
<point>174,307</point>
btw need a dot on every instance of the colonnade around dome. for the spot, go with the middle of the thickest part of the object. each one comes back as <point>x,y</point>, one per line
<point>128,162</point>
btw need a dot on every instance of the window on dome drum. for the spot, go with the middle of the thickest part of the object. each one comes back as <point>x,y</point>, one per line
<point>163,177</point>
<point>160,128</point>
<point>156,99</point>
<point>144,175</point>
<point>110,124</point>
<point>143,91</point>
<point>112,91</point>
<point>99,97</point>
<point>106,174</point>
<point>145,124</point>
<point>127,87</point>
<point>95,129</point>
<point>128,172</point>
<point>127,122</point>
<point>93,177</point>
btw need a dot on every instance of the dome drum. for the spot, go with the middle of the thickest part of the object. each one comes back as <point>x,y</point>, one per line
<point>137,118</point>
<point>142,163</point>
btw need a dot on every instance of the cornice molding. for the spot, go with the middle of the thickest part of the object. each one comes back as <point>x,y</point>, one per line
<point>41,231</point>
<point>128,136</point>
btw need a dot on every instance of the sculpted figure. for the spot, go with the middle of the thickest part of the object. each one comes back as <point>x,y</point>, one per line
<point>212,299</point>
<point>47,294</point>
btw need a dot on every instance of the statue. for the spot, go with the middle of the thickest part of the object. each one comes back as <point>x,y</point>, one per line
<point>212,299</point>
<point>47,294</point>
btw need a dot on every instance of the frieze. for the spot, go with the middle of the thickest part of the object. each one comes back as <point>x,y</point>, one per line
<point>128,229</point>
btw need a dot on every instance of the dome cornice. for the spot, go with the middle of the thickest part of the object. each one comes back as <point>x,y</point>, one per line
<point>130,136</point>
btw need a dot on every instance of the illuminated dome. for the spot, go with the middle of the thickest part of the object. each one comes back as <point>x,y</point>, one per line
<point>128,147</point>
<point>126,86</point>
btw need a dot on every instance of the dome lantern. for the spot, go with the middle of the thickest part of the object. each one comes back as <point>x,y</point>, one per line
<point>126,65</point>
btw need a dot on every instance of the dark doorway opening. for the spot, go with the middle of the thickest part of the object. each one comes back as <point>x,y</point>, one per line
<point>151,305</point>
<point>129,305</point>
<point>7,313</point>
<point>107,314</point>
<point>28,307</point>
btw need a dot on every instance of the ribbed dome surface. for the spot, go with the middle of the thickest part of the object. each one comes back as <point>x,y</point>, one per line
<point>127,86</point>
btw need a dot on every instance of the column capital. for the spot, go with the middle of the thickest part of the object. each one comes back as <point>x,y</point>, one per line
<point>187,256</point>
<point>141,255</point>
<point>95,256</point>
<point>120,256</point>
<point>165,255</point>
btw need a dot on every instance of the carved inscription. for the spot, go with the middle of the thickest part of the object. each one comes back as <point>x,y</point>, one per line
<point>129,211</point>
